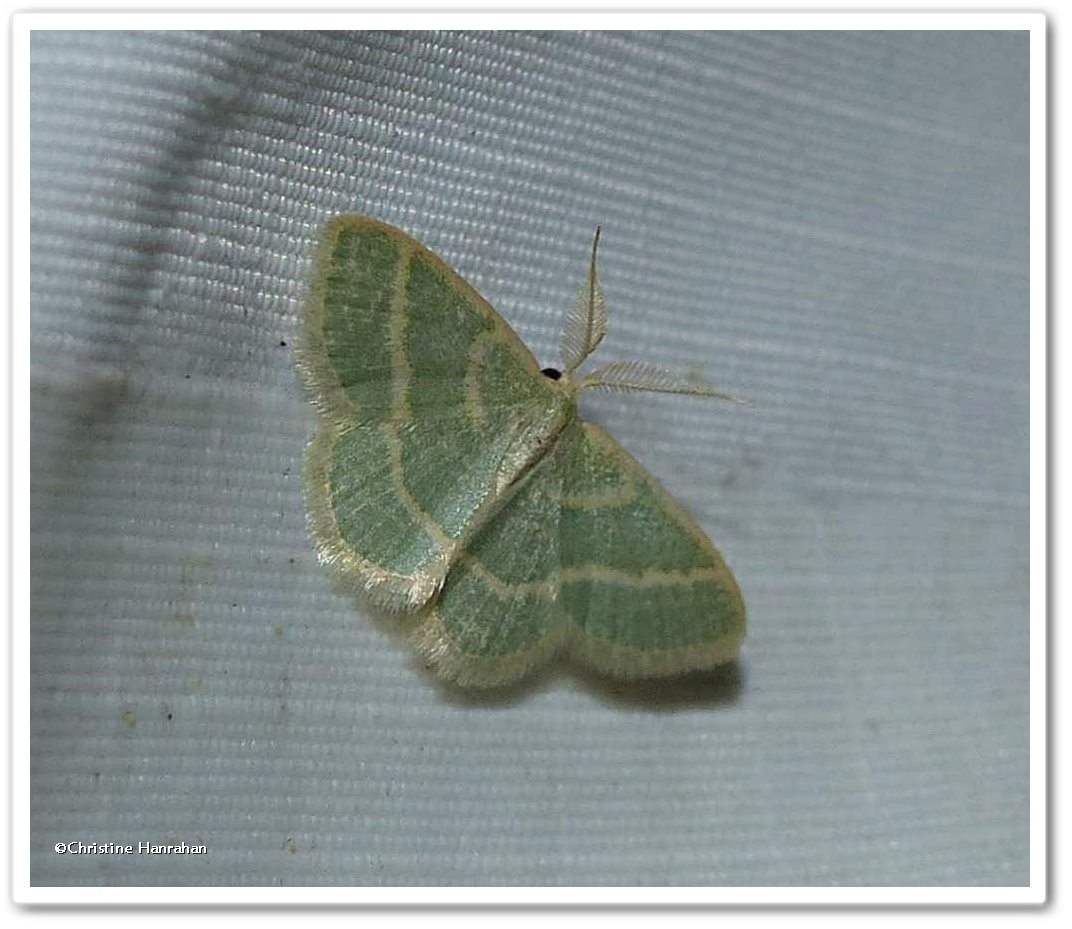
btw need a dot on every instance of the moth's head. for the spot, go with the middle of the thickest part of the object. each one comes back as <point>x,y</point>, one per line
<point>566,384</point>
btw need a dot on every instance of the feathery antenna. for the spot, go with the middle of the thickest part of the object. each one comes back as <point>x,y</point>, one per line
<point>584,330</point>
<point>639,375</point>
<point>587,323</point>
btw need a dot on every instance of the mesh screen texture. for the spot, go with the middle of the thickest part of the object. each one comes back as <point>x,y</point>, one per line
<point>832,224</point>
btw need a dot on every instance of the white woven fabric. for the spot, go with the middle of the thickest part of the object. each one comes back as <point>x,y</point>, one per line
<point>831,224</point>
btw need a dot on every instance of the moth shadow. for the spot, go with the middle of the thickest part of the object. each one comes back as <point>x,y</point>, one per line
<point>717,687</point>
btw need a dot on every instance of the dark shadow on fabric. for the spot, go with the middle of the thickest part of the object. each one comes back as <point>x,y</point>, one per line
<point>124,295</point>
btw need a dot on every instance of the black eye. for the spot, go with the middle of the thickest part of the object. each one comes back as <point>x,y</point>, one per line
<point>552,373</point>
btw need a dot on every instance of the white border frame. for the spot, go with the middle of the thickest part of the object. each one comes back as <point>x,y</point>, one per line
<point>22,891</point>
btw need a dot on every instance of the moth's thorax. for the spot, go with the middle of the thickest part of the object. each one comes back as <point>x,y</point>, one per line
<point>536,428</point>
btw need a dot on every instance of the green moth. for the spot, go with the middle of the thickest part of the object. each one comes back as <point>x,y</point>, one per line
<point>453,480</point>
